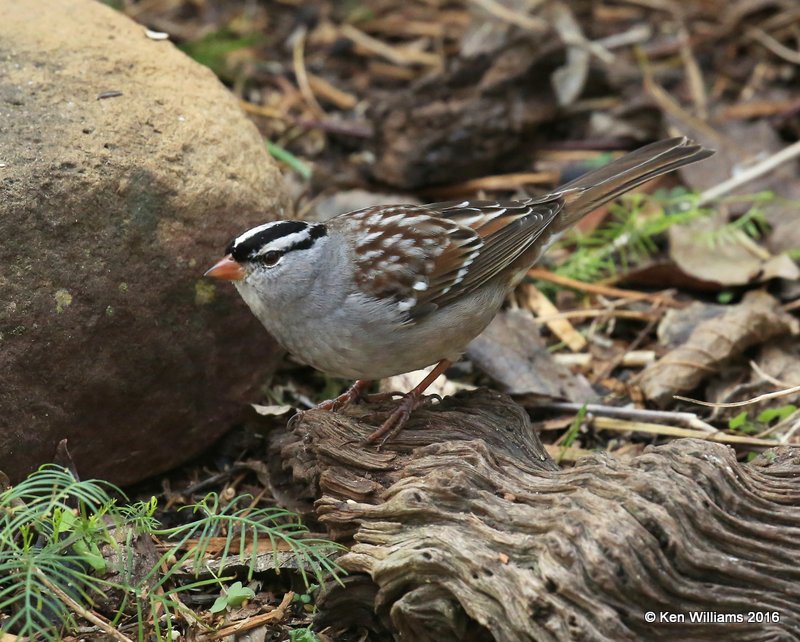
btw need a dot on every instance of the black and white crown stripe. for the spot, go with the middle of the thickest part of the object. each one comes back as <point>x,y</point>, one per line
<point>278,236</point>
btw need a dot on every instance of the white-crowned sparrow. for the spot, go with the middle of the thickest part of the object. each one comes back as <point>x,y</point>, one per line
<point>390,289</point>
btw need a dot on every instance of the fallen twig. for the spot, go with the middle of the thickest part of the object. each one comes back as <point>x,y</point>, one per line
<point>341,99</point>
<point>621,425</point>
<point>494,183</point>
<point>606,290</point>
<point>759,109</point>
<point>694,75</point>
<point>774,46</point>
<point>396,55</point>
<point>265,111</point>
<point>751,173</point>
<point>251,623</point>
<point>736,404</point>
<point>631,359</point>
<point>547,313</point>
<point>517,18</point>
<point>633,36</point>
<point>597,313</point>
<point>784,439</point>
<point>298,59</point>
<point>621,359</point>
<point>671,106</point>
<point>768,377</point>
<point>688,419</point>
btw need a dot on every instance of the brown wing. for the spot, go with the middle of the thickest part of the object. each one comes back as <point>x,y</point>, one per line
<point>507,230</point>
<point>425,256</point>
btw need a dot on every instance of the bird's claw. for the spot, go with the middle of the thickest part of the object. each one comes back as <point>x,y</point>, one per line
<point>395,422</point>
<point>296,418</point>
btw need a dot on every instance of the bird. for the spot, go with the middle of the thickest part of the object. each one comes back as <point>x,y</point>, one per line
<point>390,289</point>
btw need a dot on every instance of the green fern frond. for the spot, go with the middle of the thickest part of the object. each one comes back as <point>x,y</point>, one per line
<point>751,224</point>
<point>628,236</point>
<point>52,527</point>
<point>238,520</point>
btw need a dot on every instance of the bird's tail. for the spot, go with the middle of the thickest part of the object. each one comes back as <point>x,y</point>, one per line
<point>591,190</point>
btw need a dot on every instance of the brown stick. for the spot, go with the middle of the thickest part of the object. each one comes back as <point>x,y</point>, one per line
<point>605,290</point>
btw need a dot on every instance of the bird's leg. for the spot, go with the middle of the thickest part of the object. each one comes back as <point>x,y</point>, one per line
<point>411,400</point>
<point>353,393</point>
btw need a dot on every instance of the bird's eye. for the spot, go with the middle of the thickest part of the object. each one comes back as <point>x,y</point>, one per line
<point>271,258</point>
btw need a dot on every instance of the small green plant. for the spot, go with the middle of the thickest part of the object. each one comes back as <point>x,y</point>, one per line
<point>752,224</point>
<point>762,421</point>
<point>54,531</point>
<point>742,423</point>
<point>572,433</point>
<point>303,635</point>
<point>285,156</point>
<point>243,527</point>
<point>306,598</point>
<point>51,527</point>
<point>213,49</point>
<point>234,595</point>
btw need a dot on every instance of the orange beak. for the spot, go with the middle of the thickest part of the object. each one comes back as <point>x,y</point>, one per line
<point>227,269</point>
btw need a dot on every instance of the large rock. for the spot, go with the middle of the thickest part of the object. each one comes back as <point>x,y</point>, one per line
<point>110,210</point>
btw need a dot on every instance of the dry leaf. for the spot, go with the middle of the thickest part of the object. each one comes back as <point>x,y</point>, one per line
<point>511,351</point>
<point>753,321</point>
<point>266,411</point>
<point>735,261</point>
<point>678,324</point>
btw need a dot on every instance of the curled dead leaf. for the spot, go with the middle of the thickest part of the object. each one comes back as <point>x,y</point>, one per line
<point>756,319</point>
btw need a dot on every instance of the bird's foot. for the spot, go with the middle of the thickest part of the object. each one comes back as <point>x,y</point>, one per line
<point>395,422</point>
<point>353,393</point>
<point>295,419</point>
<point>410,402</point>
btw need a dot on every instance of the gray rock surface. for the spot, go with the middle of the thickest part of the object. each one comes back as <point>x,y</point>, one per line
<point>111,208</point>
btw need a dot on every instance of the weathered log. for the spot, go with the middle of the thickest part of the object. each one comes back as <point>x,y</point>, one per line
<point>464,529</point>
